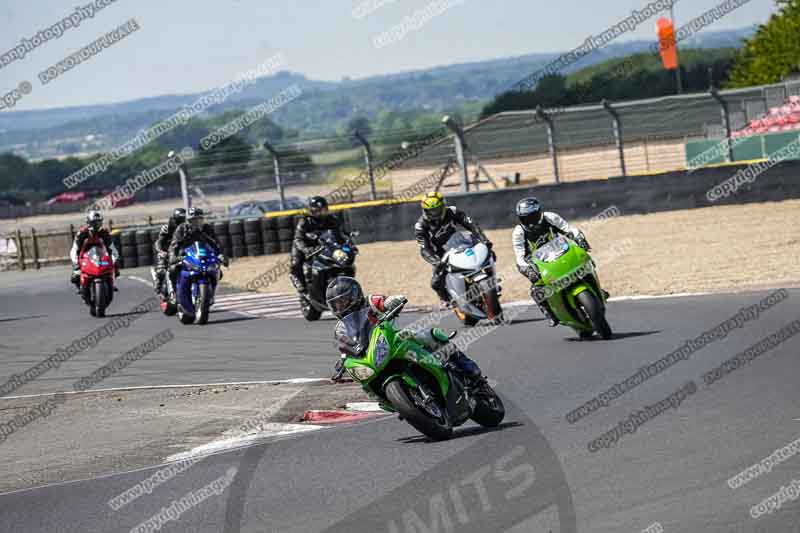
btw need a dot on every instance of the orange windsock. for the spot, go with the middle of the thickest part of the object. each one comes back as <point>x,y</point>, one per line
<point>666,43</point>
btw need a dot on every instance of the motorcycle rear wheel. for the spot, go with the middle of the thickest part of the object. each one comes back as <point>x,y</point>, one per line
<point>489,411</point>
<point>421,421</point>
<point>167,307</point>
<point>596,313</point>
<point>465,319</point>
<point>310,312</point>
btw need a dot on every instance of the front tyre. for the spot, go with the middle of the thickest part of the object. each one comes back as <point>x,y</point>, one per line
<point>489,410</point>
<point>595,312</point>
<point>203,305</point>
<point>99,298</point>
<point>436,429</point>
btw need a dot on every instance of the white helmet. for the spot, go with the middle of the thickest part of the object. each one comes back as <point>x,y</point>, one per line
<point>94,219</point>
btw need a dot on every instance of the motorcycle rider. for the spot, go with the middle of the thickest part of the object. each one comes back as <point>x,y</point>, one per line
<point>194,229</point>
<point>344,296</point>
<point>93,232</point>
<point>306,235</point>
<point>161,246</point>
<point>433,229</point>
<point>534,230</point>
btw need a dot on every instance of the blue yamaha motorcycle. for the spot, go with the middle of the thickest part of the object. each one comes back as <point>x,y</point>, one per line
<point>197,283</point>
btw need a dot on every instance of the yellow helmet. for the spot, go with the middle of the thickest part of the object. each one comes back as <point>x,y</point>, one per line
<point>433,207</point>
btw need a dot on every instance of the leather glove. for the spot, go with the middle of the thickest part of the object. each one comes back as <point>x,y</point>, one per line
<point>582,242</point>
<point>224,260</point>
<point>532,273</point>
<point>393,302</point>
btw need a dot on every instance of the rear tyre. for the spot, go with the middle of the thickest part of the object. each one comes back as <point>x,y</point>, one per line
<point>465,319</point>
<point>310,312</point>
<point>489,411</point>
<point>491,302</point>
<point>99,298</point>
<point>167,307</point>
<point>203,305</point>
<point>184,317</point>
<point>436,429</point>
<point>596,313</point>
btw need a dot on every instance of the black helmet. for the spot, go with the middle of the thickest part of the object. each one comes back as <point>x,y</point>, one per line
<point>178,217</point>
<point>529,211</point>
<point>317,206</point>
<point>344,296</point>
<point>196,216</point>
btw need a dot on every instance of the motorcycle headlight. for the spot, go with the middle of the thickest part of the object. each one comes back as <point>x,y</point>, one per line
<point>361,373</point>
<point>381,351</point>
<point>339,256</point>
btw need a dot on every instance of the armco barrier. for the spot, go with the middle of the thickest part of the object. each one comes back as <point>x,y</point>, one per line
<point>584,199</point>
<point>394,221</point>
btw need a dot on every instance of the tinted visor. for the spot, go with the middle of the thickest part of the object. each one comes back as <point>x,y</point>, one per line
<point>319,210</point>
<point>435,214</point>
<point>531,219</point>
<point>341,305</point>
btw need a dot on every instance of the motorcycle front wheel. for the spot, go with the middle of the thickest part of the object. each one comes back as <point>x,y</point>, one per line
<point>595,313</point>
<point>99,298</point>
<point>203,305</point>
<point>435,428</point>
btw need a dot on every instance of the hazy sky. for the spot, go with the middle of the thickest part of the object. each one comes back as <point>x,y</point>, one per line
<point>192,45</point>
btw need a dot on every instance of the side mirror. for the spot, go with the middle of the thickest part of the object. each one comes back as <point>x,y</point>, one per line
<point>355,233</point>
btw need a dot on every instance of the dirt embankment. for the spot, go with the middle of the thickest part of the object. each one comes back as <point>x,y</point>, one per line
<point>708,249</point>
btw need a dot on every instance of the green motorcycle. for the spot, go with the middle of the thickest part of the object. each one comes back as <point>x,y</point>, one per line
<point>569,284</point>
<point>423,388</point>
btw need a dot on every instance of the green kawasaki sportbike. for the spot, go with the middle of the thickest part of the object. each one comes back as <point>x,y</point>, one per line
<point>422,387</point>
<point>570,286</point>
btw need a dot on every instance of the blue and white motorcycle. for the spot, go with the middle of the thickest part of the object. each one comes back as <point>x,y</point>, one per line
<point>197,283</point>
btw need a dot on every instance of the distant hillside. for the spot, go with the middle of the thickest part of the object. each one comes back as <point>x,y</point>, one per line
<point>324,109</point>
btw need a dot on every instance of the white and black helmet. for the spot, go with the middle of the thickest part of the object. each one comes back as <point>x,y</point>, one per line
<point>529,212</point>
<point>94,219</point>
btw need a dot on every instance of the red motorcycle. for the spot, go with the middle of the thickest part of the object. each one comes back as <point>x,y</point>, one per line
<point>97,278</point>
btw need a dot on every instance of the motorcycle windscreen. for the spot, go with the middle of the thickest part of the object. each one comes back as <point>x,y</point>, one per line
<point>465,252</point>
<point>358,329</point>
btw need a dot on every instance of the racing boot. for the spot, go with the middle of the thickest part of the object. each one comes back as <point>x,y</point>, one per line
<point>75,279</point>
<point>538,297</point>
<point>459,359</point>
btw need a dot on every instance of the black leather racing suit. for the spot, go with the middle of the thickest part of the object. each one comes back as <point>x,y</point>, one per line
<point>186,234</point>
<point>161,249</point>
<point>306,235</point>
<point>432,238</point>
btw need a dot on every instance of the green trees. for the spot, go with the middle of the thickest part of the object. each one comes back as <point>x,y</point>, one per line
<point>636,76</point>
<point>773,52</point>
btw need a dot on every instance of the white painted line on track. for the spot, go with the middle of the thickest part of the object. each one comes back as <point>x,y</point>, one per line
<point>293,381</point>
<point>273,429</point>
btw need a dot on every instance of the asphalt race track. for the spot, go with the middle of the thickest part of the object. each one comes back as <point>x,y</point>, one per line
<point>535,473</point>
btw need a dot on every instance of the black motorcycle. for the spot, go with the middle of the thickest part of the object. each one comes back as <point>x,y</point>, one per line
<point>333,258</point>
